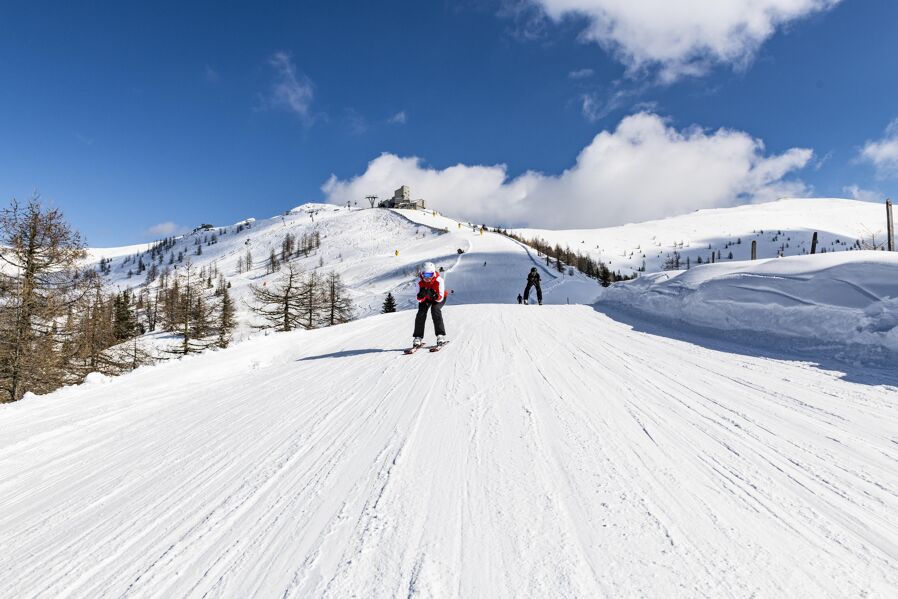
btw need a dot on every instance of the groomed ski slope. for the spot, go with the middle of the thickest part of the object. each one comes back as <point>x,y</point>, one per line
<point>547,452</point>
<point>375,251</point>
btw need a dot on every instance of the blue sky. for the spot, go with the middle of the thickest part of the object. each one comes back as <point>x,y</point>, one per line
<point>129,115</point>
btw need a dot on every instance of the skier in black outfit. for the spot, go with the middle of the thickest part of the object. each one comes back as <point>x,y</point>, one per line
<point>533,281</point>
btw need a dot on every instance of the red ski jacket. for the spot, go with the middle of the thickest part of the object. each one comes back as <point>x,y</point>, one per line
<point>436,284</point>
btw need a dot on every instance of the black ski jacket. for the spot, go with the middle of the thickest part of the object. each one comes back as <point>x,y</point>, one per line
<point>533,278</point>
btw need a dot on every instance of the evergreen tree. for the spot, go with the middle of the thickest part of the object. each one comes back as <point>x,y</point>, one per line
<point>189,312</point>
<point>152,273</point>
<point>227,318</point>
<point>389,304</point>
<point>94,334</point>
<point>124,319</point>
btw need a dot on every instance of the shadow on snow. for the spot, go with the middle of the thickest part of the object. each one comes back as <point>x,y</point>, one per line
<point>856,363</point>
<point>348,353</point>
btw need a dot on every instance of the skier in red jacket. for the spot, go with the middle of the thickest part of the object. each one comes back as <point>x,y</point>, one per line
<point>431,296</point>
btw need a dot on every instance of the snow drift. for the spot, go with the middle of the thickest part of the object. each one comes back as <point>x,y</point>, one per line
<point>844,298</point>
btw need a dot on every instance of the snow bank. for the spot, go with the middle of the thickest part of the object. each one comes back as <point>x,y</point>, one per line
<point>96,378</point>
<point>838,298</point>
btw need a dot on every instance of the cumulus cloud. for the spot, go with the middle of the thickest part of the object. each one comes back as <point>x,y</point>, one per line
<point>683,37</point>
<point>165,229</point>
<point>581,74</point>
<point>290,91</point>
<point>883,154</point>
<point>642,170</point>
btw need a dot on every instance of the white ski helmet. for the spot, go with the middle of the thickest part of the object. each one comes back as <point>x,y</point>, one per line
<point>428,267</point>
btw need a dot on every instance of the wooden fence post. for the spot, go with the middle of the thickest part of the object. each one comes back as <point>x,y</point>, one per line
<point>890,227</point>
<point>754,249</point>
<point>814,243</point>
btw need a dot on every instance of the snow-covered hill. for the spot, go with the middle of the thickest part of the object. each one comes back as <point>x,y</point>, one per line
<point>784,227</point>
<point>546,452</point>
<point>376,251</point>
<point>554,451</point>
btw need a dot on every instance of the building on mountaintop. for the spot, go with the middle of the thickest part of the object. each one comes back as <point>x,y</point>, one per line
<point>402,198</point>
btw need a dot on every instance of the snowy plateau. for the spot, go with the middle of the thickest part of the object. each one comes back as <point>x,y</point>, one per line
<point>730,430</point>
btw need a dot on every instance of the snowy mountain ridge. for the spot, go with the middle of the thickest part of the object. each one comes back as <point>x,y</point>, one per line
<point>377,251</point>
<point>784,227</point>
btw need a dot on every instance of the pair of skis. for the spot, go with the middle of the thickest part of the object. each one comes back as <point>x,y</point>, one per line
<point>431,349</point>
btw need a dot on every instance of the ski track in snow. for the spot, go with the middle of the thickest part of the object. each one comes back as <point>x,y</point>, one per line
<point>547,452</point>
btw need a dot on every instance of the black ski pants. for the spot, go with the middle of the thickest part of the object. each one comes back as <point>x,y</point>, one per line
<point>436,311</point>
<point>539,292</point>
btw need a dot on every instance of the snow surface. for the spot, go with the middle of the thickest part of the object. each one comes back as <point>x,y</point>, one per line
<point>781,227</point>
<point>842,300</point>
<point>547,452</point>
<point>554,451</point>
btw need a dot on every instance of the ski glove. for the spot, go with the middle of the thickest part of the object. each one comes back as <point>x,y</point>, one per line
<point>422,293</point>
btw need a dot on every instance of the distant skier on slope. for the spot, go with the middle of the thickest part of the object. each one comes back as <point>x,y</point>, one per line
<point>533,281</point>
<point>431,296</point>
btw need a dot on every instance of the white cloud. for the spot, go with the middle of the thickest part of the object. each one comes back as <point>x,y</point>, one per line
<point>596,106</point>
<point>681,37</point>
<point>581,74</point>
<point>592,108</point>
<point>165,229</point>
<point>883,154</point>
<point>644,169</point>
<point>400,118</point>
<point>290,91</point>
<point>867,195</point>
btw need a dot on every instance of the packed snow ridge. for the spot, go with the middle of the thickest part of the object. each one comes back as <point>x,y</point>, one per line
<point>604,449</point>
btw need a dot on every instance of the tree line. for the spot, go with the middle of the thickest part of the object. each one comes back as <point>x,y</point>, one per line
<point>566,258</point>
<point>59,321</point>
<point>298,299</point>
